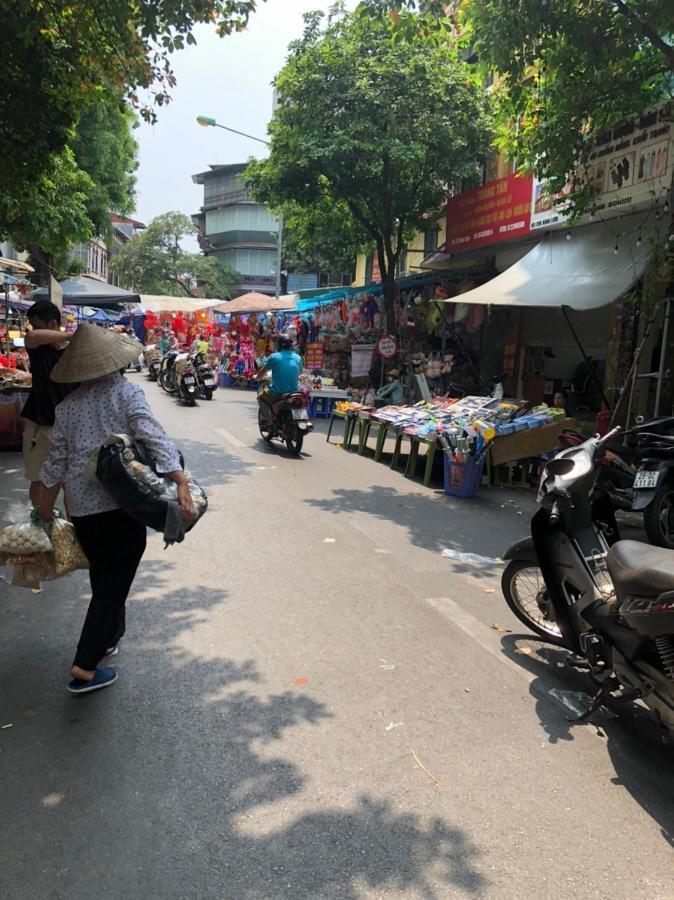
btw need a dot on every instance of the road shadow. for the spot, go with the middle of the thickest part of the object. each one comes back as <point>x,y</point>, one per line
<point>435,521</point>
<point>178,778</point>
<point>642,762</point>
<point>210,463</point>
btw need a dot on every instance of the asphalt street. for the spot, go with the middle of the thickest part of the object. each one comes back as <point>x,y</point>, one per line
<point>313,702</point>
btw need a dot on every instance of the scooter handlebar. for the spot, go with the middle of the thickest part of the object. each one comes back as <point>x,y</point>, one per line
<point>609,434</point>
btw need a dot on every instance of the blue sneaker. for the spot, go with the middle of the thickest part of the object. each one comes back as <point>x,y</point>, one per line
<point>102,679</point>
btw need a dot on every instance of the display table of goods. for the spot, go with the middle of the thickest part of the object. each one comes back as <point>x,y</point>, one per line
<point>471,429</point>
<point>14,389</point>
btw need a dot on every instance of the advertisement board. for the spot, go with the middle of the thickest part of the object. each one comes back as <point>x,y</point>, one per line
<point>630,167</point>
<point>497,211</point>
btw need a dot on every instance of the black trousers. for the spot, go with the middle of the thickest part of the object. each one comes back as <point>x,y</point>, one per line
<point>114,544</point>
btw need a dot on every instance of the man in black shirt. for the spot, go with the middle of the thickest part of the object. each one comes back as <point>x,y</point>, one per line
<point>44,342</point>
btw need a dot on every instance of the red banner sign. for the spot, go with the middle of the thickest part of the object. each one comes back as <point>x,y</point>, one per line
<point>497,211</point>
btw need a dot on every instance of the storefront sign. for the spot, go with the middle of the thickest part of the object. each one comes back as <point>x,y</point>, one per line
<point>361,360</point>
<point>314,356</point>
<point>386,347</point>
<point>630,167</point>
<point>497,211</point>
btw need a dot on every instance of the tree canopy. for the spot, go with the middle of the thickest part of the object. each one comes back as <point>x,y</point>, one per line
<point>154,262</point>
<point>375,117</point>
<point>69,200</point>
<point>59,56</point>
<point>568,70</point>
<point>321,238</point>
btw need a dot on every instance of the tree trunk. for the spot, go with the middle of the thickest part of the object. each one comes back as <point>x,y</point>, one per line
<point>42,263</point>
<point>388,283</point>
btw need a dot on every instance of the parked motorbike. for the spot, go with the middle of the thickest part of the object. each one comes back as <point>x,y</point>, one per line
<point>167,372</point>
<point>205,377</point>
<point>612,607</point>
<point>186,379</point>
<point>635,475</point>
<point>654,488</point>
<point>290,419</point>
<point>152,361</point>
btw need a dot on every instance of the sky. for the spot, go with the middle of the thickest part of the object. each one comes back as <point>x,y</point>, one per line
<point>229,79</point>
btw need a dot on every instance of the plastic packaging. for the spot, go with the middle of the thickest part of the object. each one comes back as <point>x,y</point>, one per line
<point>26,536</point>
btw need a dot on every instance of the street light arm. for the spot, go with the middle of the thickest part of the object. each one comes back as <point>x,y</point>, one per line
<point>208,122</point>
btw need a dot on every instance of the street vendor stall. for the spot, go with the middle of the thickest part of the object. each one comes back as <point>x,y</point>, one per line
<point>471,432</point>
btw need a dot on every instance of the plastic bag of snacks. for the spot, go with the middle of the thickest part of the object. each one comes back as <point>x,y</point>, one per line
<point>25,538</point>
<point>67,555</point>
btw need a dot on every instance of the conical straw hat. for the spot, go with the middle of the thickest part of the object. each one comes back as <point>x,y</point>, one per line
<point>94,352</point>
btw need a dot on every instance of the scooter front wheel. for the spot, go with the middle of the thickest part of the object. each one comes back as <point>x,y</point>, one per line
<point>166,384</point>
<point>525,593</point>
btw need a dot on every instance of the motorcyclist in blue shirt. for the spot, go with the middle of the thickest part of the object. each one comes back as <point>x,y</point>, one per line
<point>286,367</point>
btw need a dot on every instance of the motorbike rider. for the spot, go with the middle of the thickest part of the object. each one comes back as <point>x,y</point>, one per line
<point>286,367</point>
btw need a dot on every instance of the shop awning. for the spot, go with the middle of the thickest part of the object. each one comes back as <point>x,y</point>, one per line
<point>584,268</point>
<point>82,290</point>
<point>15,265</point>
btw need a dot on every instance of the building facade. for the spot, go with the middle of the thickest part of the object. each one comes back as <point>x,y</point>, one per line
<point>238,231</point>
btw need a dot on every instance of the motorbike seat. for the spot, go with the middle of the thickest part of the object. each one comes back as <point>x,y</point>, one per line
<point>640,570</point>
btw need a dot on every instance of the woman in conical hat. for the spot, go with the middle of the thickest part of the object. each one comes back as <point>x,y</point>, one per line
<point>105,403</point>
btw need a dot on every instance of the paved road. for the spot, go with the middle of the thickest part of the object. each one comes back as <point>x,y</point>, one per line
<point>314,703</point>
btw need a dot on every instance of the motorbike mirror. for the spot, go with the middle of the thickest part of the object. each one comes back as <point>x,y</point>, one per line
<point>639,420</point>
<point>559,466</point>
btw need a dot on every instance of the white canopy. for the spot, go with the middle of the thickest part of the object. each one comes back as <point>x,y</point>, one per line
<point>583,271</point>
<point>163,303</point>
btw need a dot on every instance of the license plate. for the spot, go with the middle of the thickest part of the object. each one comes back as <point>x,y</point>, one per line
<point>209,382</point>
<point>645,480</point>
<point>188,380</point>
<point>300,414</point>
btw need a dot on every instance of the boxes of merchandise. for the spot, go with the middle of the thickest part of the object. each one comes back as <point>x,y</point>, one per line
<point>523,444</point>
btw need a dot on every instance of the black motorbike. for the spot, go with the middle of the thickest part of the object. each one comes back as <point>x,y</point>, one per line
<point>285,419</point>
<point>186,380</point>
<point>206,381</point>
<point>153,362</point>
<point>612,607</point>
<point>653,491</point>
<point>167,379</point>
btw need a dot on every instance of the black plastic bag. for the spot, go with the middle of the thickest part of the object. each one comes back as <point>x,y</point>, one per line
<point>128,473</point>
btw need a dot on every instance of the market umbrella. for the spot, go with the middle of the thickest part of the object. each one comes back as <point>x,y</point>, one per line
<point>157,303</point>
<point>82,290</point>
<point>254,302</point>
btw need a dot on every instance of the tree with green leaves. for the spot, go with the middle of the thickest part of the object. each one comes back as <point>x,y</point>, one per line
<point>376,117</point>
<point>565,70</point>
<point>321,238</point>
<point>60,56</point>
<point>70,200</point>
<point>154,262</point>
<point>569,70</point>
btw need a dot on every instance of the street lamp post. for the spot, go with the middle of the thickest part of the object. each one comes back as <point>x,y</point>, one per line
<point>209,122</point>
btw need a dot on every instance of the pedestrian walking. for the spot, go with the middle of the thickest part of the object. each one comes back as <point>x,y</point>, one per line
<point>44,344</point>
<point>104,403</point>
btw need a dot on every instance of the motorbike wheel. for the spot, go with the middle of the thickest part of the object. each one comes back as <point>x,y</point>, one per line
<point>208,394</point>
<point>165,384</point>
<point>659,516</point>
<point>265,430</point>
<point>293,437</point>
<point>525,593</point>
